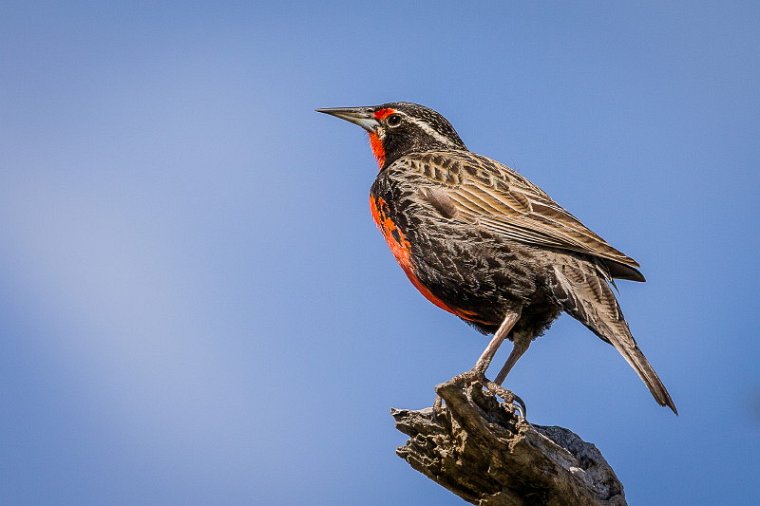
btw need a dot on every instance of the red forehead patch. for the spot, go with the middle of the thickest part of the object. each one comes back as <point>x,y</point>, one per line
<point>384,113</point>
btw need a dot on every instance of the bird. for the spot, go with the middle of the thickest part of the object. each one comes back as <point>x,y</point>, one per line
<point>479,240</point>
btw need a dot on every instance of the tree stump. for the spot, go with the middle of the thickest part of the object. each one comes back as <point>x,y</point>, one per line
<point>485,452</point>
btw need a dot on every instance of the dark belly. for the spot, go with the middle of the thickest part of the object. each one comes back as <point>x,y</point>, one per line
<point>483,278</point>
<point>462,269</point>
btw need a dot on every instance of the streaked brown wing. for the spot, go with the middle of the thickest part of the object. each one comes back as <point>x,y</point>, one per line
<point>477,190</point>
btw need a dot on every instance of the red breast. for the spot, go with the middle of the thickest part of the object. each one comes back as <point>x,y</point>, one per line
<point>402,251</point>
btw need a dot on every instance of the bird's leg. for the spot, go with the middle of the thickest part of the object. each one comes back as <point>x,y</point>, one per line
<point>501,333</point>
<point>521,343</point>
<point>520,346</point>
<point>479,370</point>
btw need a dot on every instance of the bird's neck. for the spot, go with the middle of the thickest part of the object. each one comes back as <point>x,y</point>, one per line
<point>385,156</point>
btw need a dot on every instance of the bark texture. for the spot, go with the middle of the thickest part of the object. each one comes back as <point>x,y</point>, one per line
<point>484,451</point>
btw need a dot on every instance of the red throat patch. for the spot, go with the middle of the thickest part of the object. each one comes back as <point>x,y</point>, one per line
<point>374,140</point>
<point>377,148</point>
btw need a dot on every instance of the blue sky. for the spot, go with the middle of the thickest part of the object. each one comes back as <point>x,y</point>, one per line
<point>195,307</point>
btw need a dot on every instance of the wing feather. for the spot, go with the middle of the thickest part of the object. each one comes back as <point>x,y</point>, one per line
<point>488,194</point>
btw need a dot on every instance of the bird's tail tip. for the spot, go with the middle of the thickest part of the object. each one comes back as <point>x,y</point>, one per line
<point>667,401</point>
<point>649,376</point>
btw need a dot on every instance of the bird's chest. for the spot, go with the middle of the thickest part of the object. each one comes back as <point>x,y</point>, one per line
<point>404,231</point>
<point>389,222</point>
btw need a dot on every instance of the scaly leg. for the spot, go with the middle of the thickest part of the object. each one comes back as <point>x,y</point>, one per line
<point>521,344</point>
<point>487,356</point>
<point>499,336</point>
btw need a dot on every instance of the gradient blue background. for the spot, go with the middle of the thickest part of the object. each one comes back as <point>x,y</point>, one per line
<point>195,307</point>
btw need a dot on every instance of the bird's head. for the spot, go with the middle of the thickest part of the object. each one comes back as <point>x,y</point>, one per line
<point>398,128</point>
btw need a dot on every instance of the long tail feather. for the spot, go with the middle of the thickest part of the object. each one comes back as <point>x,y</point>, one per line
<point>583,289</point>
<point>624,343</point>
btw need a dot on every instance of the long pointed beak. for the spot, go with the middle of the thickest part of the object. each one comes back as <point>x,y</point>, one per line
<point>362,116</point>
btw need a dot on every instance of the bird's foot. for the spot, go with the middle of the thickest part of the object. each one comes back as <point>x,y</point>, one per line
<point>509,398</point>
<point>513,402</point>
<point>472,376</point>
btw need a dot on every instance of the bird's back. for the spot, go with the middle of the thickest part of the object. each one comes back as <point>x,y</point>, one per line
<point>474,190</point>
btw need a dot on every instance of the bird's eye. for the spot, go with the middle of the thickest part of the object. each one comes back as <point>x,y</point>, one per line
<point>394,120</point>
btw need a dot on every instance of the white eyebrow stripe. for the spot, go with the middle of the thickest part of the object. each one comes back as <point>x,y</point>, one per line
<point>429,130</point>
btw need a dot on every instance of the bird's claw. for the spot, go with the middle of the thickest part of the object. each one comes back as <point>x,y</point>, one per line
<point>476,376</point>
<point>508,397</point>
<point>472,376</point>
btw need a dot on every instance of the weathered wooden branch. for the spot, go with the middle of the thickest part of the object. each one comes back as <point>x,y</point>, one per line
<point>486,453</point>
